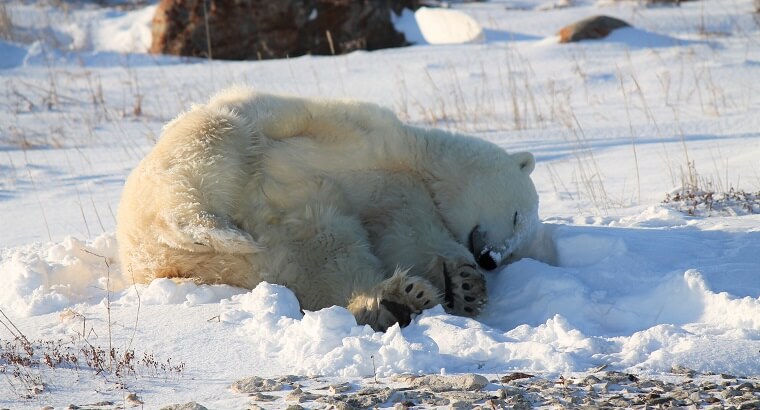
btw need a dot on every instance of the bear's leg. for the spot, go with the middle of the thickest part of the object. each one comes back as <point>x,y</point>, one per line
<point>413,236</point>
<point>325,258</point>
<point>422,243</point>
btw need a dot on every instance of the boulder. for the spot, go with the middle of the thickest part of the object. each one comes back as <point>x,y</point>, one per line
<point>590,28</point>
<point>261,29</point>
<point>438,383</point>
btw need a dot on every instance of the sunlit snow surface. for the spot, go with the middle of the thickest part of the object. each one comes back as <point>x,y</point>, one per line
<point>617,278</point>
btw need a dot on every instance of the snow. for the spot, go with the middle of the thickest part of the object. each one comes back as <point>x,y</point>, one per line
<point>616,277</point>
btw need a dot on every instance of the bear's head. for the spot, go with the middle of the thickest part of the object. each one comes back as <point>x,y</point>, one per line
<point>492,206</point>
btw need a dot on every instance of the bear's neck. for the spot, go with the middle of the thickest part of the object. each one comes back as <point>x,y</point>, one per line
<point>437,155</point>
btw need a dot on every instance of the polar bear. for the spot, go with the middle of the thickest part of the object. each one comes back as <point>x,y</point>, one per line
<point>337,200</point>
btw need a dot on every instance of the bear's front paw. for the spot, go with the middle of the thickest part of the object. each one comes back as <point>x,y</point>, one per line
<point>465,293</point>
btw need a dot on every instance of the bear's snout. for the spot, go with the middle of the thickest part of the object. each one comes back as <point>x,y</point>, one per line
<point>480,250</point>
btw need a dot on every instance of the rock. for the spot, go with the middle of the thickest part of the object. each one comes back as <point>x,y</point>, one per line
<point>334,403</point>
<point>460,404</point>
<point>260,29</point>
<point>255,384</point>
<point>262,397</point>
<point>595,27</point>
<point>752,404</point>
<point>187,406</point>
<point>695,397</point>
<point>438,383</point>
<point>682,370</point>
<point>369,397</point>
<point>515,376</point>
<point>338,388</point>
<point>745,386</point>
<point>299,396</point>
<point>730,393</point>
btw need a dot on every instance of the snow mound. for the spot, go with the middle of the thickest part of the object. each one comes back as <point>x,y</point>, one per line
<point>637,38</point>
<point>42,279</point>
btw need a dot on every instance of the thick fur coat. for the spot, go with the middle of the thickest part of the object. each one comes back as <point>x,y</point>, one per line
<point>337,200</point>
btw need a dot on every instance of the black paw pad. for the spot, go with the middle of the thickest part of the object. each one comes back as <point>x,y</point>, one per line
<point>402,313</point>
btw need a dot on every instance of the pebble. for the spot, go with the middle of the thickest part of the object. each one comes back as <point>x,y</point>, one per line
<point>683,370</point>
<point>730,393</point>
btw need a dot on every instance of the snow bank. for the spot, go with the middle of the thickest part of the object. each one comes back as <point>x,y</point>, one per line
<point>42,279</point>
<point>628,297</point>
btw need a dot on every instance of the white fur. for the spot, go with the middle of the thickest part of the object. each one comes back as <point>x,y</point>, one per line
<point>337,200</point>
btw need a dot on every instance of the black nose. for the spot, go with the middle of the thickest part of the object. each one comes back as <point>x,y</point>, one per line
<point>486,262</point>
<point>477,246</point>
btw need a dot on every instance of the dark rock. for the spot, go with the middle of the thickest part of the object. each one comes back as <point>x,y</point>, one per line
<point>260,29</point>
<point>595,27</point>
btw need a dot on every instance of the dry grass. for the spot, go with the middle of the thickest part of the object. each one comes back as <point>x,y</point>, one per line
<point>6,24</point>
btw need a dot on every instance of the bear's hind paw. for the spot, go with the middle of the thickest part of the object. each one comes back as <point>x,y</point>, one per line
<point>396,300</point>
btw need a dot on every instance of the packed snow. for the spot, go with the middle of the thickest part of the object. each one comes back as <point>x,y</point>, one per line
<point>616,277</point>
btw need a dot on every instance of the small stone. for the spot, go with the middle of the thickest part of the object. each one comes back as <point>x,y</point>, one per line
<point>708,385</point>
<point>338,388</point>
<point>255,384</point>
<point>589,380</point>
<point>295,398</point>
<point>752,404</point>
<point>438,383</point>
<point>618,402</point>
<point>515,376</point>
<point>730,393</point>
<point>680,394</point>
<point>695,397</point>
<point>712,400</point>
<point>745,386</point>
<point>646,384</point>
<point>132,399</point>
<point>460,404</point>
<point>299,396</point>
<point>659,400</point>
<point>682,370</point>
<point>187,406</point>
<point>620,378</point>
<point>262,397</point>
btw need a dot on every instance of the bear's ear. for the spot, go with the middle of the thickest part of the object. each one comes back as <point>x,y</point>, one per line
<point>526,161</point>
